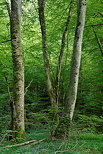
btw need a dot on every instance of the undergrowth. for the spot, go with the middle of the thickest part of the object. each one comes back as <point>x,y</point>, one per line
<point>83,143</point>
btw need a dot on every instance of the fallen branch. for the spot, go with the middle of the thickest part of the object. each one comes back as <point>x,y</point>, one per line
<point>21,144</point>
<point>3,138</point>
<point>75,147</point>
<point>64,151</point>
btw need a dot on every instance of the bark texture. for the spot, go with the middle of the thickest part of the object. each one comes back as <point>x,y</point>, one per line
<point>18,69</point>
<point>41,4</point>
<point>76,60</point>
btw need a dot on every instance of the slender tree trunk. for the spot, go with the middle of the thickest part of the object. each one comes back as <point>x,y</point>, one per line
<point>41,4</point>
<point>18,70</point>
<point>76,60</point>
<point>62,50</point>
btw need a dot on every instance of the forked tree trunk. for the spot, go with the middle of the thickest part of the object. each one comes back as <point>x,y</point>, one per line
<point>41,4</point>
<point>76,60</point>
<point>18,70</point>
<point>53,94</point>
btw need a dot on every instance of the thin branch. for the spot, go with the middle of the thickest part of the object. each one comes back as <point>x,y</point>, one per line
<point>5,41</point>
<point>93,25</point>
<point>88,26</point>
<point>21,144</point>
<point>98,41</point>
<point>8,88</point>
<point>3,16</point>
<point>100,14</point>
<point>26,89</point>
<point>8,8</point>
<point>75,147</point>
<point>3,138</point>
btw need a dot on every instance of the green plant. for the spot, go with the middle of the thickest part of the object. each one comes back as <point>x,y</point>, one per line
<point>90,123</point>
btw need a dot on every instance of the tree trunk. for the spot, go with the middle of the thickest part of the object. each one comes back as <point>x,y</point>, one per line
<point>62,50</point>
<point>41,4</point>
<point>18,70</point>
<point>76,60</point>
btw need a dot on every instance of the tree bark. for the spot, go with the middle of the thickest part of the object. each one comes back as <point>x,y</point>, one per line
<point>76,60</point>
<point>18,70</point>
<point>62,50</point>
<point>41,4</point>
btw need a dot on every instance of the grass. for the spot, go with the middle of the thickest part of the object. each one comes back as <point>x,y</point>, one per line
<point>76,144</point>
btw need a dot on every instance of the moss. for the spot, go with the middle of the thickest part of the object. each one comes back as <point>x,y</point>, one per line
<point>62,130</point>
<point>21,134</point>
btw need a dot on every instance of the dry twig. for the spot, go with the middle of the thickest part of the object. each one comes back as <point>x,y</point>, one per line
<point>75,147</point>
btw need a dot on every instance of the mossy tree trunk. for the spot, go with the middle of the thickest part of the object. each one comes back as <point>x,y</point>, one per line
<point>18,70</point>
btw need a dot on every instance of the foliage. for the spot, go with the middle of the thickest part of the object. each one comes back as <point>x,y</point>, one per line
<point>82,143</point>
<point>91,123</point>
<point>89,107</point>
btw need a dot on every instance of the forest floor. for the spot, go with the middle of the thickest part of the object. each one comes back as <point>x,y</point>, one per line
<point>82,143</point>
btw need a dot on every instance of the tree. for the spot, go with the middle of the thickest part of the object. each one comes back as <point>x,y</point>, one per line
<point>62,50</point>
<point>76,60</point>
<point>41,4</point>
<point>17,124</point>
<point>53,94</point>
<point>59,51</point>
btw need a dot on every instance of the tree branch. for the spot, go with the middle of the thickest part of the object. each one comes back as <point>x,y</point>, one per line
<point>75,147</point>
<point>21,144</point>
<point>8,88</point>
<point>3,138</point>
<point>5,41</point>
<point>26,89</point>
<point>98,41</point>
<point>8,8</point>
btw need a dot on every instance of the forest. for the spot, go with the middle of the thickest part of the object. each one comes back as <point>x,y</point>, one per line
<point>51,76</point>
